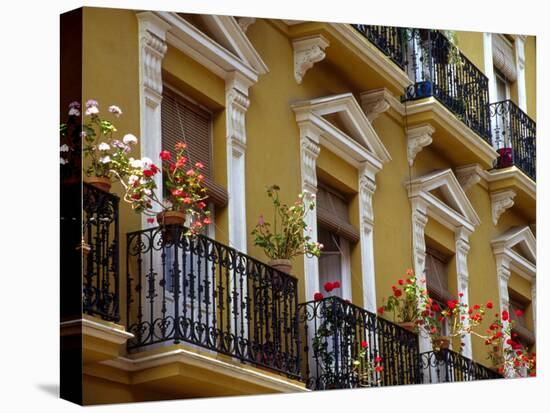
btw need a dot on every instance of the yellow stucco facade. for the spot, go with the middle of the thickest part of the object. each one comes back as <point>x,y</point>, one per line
<point>111,74</point>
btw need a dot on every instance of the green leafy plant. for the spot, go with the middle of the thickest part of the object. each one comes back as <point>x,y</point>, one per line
<point>286,238</point>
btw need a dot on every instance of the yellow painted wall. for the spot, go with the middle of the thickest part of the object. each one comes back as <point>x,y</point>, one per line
<point>273,150</point>
<point>531,75</point>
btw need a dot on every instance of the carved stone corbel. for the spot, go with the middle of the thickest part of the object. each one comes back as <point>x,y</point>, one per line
<point>500,202</point>
<point>374,103</point>
<point>307,52</point>
<point>418,137</point>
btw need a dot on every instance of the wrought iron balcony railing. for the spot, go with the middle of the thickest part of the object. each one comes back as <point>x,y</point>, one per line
<point>437,69</point>
<point>333,330</point>
<point>100,246</point>
<point>388,39</point>
<point>447,366</point>
<point>514,136</point>
<point>199,291</point>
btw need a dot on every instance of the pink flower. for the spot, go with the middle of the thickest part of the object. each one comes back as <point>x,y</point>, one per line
<point>190,172</point>
<point>261,220</point>
<point>165,155</point>
<point>199,165</point>
<point>115,110</point>
<point>207,221</point>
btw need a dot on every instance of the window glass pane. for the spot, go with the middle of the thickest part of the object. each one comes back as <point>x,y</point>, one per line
<point>330,261</point>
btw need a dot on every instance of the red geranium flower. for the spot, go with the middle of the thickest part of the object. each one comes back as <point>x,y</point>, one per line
<point>518,312</point>
<point>489,305</point>
<point>318,296</point>
<point>364,344</point>
<point>397,292</point>
<point>476,307</point>
<point>379,369</point>
<point>380,310</point>
<point>401,282</point>
<point>328,287</point>
<point>148,173</point>
<point>180,146</point>
<point>336,284</point>
<point>505,315</point>
<point>451,304</point>
<point>378,359</point>
<point>165,155</point>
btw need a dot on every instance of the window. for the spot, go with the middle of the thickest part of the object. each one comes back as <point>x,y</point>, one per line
<point>186,121</point>
<point>335,232</point>
<point>524,335</point>
<point>437,279</point>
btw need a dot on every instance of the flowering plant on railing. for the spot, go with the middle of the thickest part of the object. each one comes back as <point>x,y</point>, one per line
<point>507,355</point>
<point>403,303</point>
<point>286,239</point>
<point>367,372</point>
<point>185,193</point>
<point>106,154</point>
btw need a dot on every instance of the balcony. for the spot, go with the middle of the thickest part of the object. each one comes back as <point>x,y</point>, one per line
<point>197,291</point>
<point>514,136</point>
<point>334,330</point>
<point>446,366</point>
<point>435,69</point>
<point>100,246</point>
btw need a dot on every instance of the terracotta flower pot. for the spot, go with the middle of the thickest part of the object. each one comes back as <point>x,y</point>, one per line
<point>409,326</point>
<point>441,343</point>
<point>99,182</point>
<point>175,221</point>
<point>281,265</point>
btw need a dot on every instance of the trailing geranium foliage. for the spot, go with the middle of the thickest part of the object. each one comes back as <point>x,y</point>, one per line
<point>185,191</point>
<point>286,238</point>
<point>366,369</point>
<point>507,355</point>
<point>403,303</point>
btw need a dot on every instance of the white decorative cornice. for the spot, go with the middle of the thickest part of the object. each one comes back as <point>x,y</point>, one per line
<point>418,137</point>
<point>308,51</point>
<point>245,22</point>
<point>500,202</point>
<point>375,102</point>
<point>468,177</point>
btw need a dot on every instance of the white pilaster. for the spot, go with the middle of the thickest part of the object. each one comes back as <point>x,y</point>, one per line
<point>489,67</point>
<point>367,187</point>
<point>462,247</point>
<point>309,151</point>
<point>237,102</point>
<point>152,45</point>
<point>534,303</point>
<point>503,275</point>
<point>520,66</point>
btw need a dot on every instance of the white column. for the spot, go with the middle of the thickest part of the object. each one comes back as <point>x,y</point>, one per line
<point>152,45</point>
<point>419,221</point>
<point>503,275</point>
<point>534,303</point>
<point>488,63</point>
<point>520,66</point>
<point>237,102</point>
<point>462,246</point>
<point>309,151</point>
<point>366,216</point>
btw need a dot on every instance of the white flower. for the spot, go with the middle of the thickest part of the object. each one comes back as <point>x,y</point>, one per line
<point>147,191</point>
<point>129,138</point>
<point>116,110</point>
<point>74,104</point>
<point>91,102</point>
<point>92,110</point>
<point>105,159</point>
<point>83,134</point>
<point>167,203</point>
<point>103,146</point>
<point>63,161</point>
<point>146,162</point>
<point>132,179</point>
<point>143,181</point>
<point>74,112</point>
<point>136,163</point>
<point>64,148</point>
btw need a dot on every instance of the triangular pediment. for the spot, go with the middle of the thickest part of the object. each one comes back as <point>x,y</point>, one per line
<point>520,240</point>
<point>341,115</point>
<point>442,190</point>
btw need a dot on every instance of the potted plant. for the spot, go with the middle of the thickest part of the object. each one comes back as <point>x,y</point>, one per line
<point>106,155</point>
<point>508,357</point>
<point>286,238</point>
<point>367,370</point>
<point>185,192</point>
<point>404,302</point>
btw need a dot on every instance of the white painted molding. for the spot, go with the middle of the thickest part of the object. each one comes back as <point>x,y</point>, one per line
<point>245,22</point>
<point>520,67</point>
<point>367,186</point>
<point>375,102</point>
<point>293,22</point>
<point>152,45</point>
<point>468,177</point>
<point>462,247</point>
<point>418,137</point>
<point>500,202</point>
<point>488,63</point>
<point>308,51</point>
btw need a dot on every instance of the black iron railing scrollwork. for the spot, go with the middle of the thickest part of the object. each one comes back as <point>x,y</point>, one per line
<point>333,331</point>
<point>388,39</point>
<point>514,136</point>
<point>199,291</point>
<point>437,69</point>
<point>100,246</point>
<point>446,366</point>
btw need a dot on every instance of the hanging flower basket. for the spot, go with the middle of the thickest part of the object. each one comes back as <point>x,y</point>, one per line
<point>281,265</point>
<point>99,182</point>
<point>172,224</point>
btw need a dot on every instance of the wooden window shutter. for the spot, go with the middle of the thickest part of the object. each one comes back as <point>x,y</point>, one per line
<point>332,213</point>
<point>437,277</point>
<point>184,121</point>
